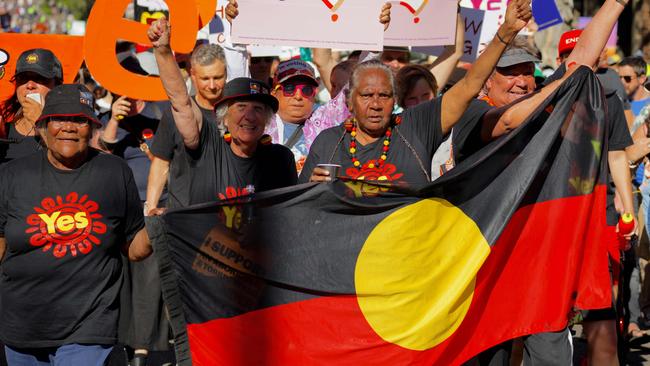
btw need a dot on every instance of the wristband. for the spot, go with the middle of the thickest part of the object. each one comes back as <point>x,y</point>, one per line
<point>622,2</point>
<point>501,39</point>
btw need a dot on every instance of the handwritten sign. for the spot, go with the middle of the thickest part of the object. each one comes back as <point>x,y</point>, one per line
<point>68,49</point>
<point>422,23</point>
<point>343,24</point>
<point>473,21</point>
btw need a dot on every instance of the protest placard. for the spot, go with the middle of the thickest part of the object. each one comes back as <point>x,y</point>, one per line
<point>343,24</point>
<point>473,21</point>
<point>546,14</point>
<point>106,25</point>
<point>422,23</point>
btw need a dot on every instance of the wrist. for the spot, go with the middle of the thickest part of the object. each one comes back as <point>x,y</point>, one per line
<point>622,2</point>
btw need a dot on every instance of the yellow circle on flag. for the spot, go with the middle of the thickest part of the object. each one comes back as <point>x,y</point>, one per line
<point>415,275</point>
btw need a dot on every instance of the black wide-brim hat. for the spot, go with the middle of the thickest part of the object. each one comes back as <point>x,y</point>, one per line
<point>248,89</point>
<point>69,100</point>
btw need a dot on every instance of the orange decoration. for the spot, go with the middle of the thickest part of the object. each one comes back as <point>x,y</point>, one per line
<point>106,25</point>
<point>68,49</point>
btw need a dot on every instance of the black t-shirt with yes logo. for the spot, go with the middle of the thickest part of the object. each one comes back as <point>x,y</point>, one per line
<point>64,229</point>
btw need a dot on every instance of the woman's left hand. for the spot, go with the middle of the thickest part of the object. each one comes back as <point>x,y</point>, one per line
<point>384,16</point>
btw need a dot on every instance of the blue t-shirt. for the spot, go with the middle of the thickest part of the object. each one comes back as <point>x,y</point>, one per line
<point>637,105</point>
<point>300,147</point>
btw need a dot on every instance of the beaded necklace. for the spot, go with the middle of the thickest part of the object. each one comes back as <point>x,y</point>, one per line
<point>351,127</point>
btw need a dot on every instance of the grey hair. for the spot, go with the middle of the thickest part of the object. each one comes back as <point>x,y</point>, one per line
<point>207,54</point>
<point>222,110</point>
<point>355,79</point>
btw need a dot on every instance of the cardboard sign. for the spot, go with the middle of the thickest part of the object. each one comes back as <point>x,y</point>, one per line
<point>106,25</point>
<point>473,20</point>
<point>546,14</point>
<point>422,23</point>
<point>68,49</point>
<point>343,24</point>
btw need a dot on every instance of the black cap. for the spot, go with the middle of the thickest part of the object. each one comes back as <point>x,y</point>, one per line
<point>40,61</point>
<point>69,100</point>
<point>248,89</point>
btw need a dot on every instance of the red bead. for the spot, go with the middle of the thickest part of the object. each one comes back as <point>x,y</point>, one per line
<point>388,133</point>
<point>353,144</point>
<point>348,126</point>
<point>385,148</point>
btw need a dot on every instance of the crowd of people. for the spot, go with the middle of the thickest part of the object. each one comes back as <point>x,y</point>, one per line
<point>105,161</point>
<point>34,16</point>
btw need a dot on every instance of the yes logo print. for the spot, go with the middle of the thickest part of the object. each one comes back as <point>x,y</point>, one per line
<point>66,225</point>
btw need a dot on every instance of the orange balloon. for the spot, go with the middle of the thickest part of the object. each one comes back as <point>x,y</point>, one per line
<point>106,25</point>
<point>68,49</point>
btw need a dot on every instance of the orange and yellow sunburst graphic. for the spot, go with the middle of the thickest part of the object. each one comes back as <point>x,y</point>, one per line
<point>69,225</point>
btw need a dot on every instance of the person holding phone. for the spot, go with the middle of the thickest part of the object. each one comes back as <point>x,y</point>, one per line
<point>37,71</point>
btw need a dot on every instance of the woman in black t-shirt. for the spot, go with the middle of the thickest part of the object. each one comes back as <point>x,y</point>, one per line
<point>374,145</point>
<point>232,157</point>
<point>61,241</point>
<point>37,71</point>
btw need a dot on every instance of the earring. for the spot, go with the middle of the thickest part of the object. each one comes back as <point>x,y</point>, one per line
<point>227,137</point>
<point>265,140</point>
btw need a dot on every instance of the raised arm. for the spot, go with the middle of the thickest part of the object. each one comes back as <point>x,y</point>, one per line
<point>187,115</point>
<point>325,63</point>
<point>445,64</point>
<point>594,38</point>
<point>586,52</point>
<point>457,99</point>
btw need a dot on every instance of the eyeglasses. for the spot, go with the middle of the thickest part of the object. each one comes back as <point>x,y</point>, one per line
<point>626,78</point>
<point>289,90</point>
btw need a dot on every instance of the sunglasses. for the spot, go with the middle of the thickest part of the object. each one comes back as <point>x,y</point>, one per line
<point>626,78</point>
<point>24,78</point>
<point>289,90</point>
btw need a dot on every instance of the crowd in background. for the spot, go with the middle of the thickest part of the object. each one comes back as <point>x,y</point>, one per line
<point>34,16</point>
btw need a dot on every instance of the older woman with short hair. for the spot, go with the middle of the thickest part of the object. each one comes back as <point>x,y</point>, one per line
<point>60,242</point>
<point>233,156</point>
<point>376,145</point>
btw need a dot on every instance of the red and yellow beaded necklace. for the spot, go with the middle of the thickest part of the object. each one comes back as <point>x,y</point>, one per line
<point>351,127</point>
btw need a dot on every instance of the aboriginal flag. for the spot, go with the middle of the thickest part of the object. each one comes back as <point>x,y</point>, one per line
<point>352,273</point>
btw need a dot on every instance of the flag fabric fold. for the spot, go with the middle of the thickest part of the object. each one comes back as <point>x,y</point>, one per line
<point>356,273</point>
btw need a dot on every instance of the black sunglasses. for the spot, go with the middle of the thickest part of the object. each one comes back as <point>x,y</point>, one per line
<point>626,78</point>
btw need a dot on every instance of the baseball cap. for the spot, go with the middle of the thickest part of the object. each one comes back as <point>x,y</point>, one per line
<point>248,89</point>
<point>568,41</point>
<point>294,68</point>
<point>40,61</point>
<point>69,100</point>
<point>515,56</point>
